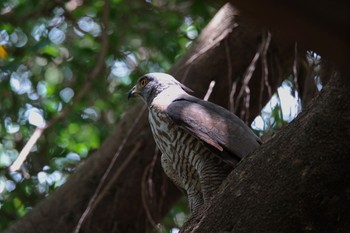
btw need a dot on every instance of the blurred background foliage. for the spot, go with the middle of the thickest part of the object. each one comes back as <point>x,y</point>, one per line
<point>49,51</point>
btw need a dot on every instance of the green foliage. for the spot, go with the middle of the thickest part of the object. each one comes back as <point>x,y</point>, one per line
<point>48,51</point>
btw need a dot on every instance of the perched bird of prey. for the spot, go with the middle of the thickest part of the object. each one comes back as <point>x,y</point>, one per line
<point>200,141</point>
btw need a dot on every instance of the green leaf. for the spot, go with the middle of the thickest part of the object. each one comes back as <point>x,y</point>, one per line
<point>50,50</point>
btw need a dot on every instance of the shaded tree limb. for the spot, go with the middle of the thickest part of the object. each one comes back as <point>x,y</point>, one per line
<point>297,182</point>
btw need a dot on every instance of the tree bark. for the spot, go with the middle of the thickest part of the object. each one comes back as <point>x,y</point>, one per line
<point>297,182</point>
<point>136,194</point>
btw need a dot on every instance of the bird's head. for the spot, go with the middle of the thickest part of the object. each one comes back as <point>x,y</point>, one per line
<point>152,84</point>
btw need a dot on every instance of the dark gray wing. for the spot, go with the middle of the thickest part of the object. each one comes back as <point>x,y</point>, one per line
<point>225,134</point>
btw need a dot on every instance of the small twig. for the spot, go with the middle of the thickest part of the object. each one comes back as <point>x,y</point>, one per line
<point>144,197</point>
<point>265,71</point>
<point>265,66</point>
<point>247,104</point>
<point>232,94</point>
<point>247,76</point>
<point>295,70</point>
<point>163,192</point>
<point>16,165</point>
<point>163,189</point>
<point>229,72</point>
<point>210,90</point>
<point>153,164</point>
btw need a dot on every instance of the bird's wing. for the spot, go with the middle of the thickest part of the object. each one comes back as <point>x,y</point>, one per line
<point>225,134</point>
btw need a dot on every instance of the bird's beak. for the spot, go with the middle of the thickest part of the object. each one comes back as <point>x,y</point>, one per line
<point>133,92</point>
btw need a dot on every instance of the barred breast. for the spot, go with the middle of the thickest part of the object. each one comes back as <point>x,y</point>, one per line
<point>178,146</point>
<point>186,160</point>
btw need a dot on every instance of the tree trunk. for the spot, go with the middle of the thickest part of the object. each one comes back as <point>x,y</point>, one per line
<point>136,194</point>
<point>297,182</point>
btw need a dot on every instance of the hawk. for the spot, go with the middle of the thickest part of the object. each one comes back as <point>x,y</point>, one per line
<point>200,141</point>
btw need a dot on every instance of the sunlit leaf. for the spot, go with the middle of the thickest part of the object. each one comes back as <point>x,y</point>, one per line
<point>50,50</point>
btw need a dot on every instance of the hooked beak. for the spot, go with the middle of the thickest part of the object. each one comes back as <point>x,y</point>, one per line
<point>133,92</point>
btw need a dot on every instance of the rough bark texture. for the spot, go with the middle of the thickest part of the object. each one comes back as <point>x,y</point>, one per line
<point>136,194</point>
<point>297,182</point>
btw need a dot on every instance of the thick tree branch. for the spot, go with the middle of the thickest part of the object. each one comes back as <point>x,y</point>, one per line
<point>297,182</point>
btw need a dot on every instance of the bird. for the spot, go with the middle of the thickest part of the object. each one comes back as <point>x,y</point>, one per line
<point>201,142</point>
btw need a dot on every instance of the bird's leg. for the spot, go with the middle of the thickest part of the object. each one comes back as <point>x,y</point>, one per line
<point>194,195</point>
<point>212,173</point>
<point>195,199</point>
<point>167,165</point>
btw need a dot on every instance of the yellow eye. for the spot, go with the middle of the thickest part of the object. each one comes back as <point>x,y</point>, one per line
<point>143,82</point>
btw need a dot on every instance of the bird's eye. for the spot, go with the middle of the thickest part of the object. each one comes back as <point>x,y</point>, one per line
<point>143,82</point>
